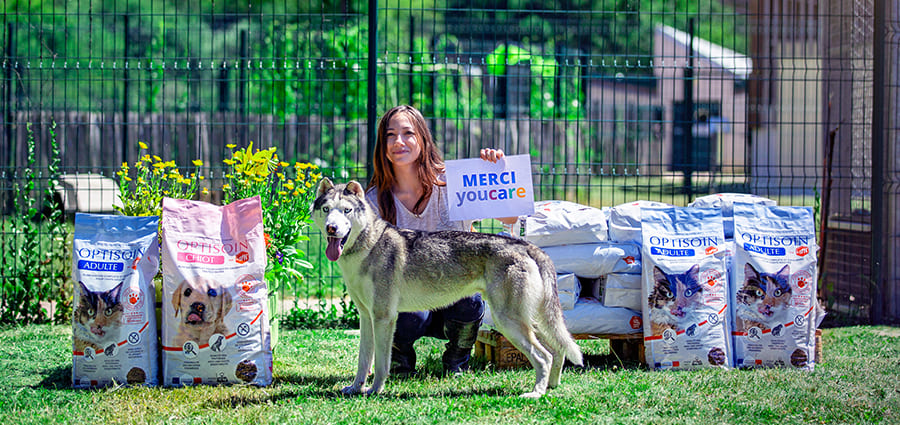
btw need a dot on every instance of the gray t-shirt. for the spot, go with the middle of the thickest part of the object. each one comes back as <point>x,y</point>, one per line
<point>435,216</point>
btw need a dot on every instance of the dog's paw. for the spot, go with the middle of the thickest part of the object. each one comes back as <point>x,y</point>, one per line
<point>533,394</point>
<point>373,391</point>
<point>351,390</point>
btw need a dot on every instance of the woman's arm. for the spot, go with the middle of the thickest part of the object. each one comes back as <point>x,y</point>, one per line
<point>494,155</point>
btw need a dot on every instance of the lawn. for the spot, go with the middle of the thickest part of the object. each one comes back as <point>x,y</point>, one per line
<point>858,383</point>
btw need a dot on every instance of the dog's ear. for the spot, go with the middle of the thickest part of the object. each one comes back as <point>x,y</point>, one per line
<point>324,186</point>
<point>176,297</point>
<point>354,188</point>
<point>225,302</point>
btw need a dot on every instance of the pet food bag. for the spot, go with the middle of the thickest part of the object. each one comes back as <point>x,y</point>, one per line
<point>215,311</point>
<point>114,260</point>
<point>562,222</point>
<point>596,259</point>
<point>684,289</point>
<point>622,290</point>
<point>625,221</point>
<point>568,287</point>
<point>726,201</point>
<point>774,289</point>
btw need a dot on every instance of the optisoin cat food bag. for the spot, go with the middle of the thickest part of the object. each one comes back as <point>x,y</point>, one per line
<point>114,260</point>
<point>774,289</point>
<point>215,315</point>
<point>685,288</point>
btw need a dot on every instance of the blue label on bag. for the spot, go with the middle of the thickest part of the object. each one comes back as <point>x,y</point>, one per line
<point>100,266</point>
<point>765,250</point>
<point>669,252</point>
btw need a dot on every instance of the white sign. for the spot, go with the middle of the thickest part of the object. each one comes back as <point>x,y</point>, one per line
<point>482,189</point>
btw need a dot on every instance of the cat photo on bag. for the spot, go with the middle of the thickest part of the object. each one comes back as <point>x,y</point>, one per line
<point>685,288</point>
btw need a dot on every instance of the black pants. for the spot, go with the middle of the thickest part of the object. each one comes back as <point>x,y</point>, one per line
<point>414,325</point>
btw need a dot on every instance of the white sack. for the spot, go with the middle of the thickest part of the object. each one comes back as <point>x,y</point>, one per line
<point>562,222</point>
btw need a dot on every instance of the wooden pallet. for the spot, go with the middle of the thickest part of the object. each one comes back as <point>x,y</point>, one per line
<point>494,348</point>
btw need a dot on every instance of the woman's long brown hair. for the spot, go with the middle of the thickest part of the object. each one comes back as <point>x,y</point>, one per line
<point>430,162</point>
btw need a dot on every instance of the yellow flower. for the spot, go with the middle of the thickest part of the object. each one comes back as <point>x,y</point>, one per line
<point>283,164</point>
<point>143,145</point>
<point>308,184</point>
<point>229,161</point>
<point>230,146</point>
<point>198,162</point>
<point>128,179</point>
<point>289,185</point>
<point>157,158</point>
<point>226,187</point>
<point>282,193</point>
<point>205,191</point>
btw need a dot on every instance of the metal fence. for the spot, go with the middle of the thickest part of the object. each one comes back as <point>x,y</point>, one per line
<point>615,101</point>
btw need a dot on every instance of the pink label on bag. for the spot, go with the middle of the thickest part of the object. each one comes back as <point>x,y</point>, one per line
<point>188,257</point>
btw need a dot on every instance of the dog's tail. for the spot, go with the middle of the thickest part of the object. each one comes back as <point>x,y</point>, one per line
<point>554,326</point>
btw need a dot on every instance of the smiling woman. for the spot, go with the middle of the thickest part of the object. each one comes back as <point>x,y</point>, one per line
<point>409,189</point>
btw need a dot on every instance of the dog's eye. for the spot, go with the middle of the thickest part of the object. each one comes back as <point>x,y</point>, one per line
<point>212,292</point>
<point>187,292</point>
<point>325,209</point>
<point>347,210</point>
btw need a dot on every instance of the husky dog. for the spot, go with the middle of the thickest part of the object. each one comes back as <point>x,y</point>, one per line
<point>389,270</point>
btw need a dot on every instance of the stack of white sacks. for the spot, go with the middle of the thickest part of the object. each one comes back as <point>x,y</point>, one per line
<point>577,239</point>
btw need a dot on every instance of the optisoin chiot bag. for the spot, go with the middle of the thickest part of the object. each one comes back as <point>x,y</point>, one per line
<point>215,310</point>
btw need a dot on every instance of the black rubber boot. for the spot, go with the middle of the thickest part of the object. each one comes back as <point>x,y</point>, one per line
<point>462,336</point>
<point>403,359</point>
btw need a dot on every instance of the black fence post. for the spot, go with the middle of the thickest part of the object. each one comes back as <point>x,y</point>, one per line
<point>878,289</point>
<point>372,86</point>
<point>126,87</point>
<point>242,86</point>
<point>687,119</point>
<point>10,86</point>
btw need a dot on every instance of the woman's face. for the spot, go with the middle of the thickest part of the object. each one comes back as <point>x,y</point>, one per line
<point>403,147</point>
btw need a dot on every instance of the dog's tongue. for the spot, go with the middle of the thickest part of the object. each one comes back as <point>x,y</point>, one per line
<point>334,248</point>
<point>194,318</point>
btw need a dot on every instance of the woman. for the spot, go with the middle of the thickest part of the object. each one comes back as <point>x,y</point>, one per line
<point>408,189</point>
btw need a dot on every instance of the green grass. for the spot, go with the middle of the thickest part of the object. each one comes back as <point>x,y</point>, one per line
<point>858,383</point>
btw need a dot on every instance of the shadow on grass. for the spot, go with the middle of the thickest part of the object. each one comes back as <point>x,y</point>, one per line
<point>57,378</point>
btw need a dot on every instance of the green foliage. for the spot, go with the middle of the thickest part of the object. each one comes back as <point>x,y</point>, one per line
<point>39,268</point>
<point>286,192</point>
<point>326,316</point>
<point>142,190</point>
